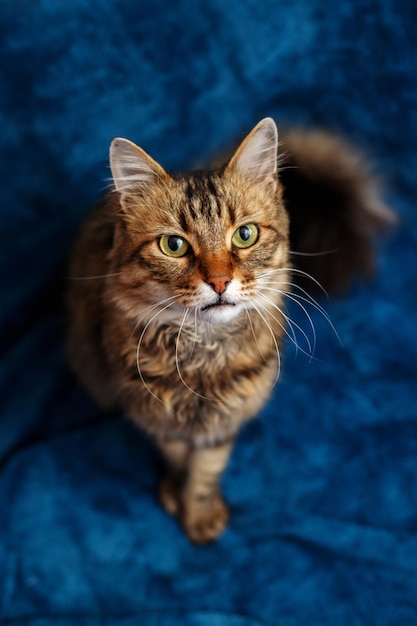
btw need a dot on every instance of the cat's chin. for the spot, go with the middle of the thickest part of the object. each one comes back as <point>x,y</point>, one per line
<point>220,313</point>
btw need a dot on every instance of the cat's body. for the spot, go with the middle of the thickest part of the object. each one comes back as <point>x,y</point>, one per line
<point>177,309</point>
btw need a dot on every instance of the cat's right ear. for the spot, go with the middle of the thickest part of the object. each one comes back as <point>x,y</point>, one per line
<point>131,167</point>
<point>256,157</point>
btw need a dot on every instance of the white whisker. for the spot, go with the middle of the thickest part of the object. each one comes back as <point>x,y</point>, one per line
<point>177,364</point>
<point>138,352</point>
<point>195,337</point>
<point>292,270</point>
<point>290,297</point>
<point>315,305</point>
<point>290,284</point>
<point>291,324</point>
<point>315,253</point>
<point>268,325</point>
<point>93,277</point>
<point>309,298</point>
<point>253,333</point>
<point>148,310</point>
<point>292,337</point>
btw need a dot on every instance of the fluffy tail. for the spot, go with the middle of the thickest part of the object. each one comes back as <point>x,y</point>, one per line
<point>334,207</point>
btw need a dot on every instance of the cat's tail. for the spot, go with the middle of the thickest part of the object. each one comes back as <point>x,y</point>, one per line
<point>334,206</point>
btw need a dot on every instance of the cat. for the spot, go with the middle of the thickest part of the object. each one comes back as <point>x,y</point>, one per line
<point>181,315</point>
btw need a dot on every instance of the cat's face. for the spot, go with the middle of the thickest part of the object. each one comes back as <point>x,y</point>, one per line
<point>201,243</point>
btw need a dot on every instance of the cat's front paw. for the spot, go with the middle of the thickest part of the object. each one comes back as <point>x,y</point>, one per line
<point>169,495</point>
<point>203,520</point>
<point>204,523</point>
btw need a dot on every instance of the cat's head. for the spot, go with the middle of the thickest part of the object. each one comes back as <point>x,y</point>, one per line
<point>200,241</point>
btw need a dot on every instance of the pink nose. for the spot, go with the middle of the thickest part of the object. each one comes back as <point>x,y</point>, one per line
<point>219,283</point>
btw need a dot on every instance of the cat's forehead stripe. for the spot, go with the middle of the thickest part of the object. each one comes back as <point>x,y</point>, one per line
<point>183,222</point>
<point>190,195</point>
<point>214,197</point>
<point>203,198</point>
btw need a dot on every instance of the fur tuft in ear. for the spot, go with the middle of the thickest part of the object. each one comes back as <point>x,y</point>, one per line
<point>256,157</point>
<point>132,167</point>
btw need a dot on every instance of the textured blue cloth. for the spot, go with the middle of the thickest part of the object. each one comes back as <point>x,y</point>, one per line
<point>323,486</point>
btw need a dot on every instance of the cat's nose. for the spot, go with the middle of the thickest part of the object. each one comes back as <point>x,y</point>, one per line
<point>219,283</point>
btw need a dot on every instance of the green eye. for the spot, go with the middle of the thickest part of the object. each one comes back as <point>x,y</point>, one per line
<point>245,236</point>
<point>173,245</point>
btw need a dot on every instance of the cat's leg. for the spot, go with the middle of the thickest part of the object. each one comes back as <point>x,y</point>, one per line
<point>176,454</point>
<point>204,513</point>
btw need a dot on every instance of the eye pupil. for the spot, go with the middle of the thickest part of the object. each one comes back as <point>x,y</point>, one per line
<point>174,243</point>
<point>245,233</point>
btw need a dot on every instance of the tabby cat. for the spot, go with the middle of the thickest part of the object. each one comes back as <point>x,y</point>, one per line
<point>181,314</point>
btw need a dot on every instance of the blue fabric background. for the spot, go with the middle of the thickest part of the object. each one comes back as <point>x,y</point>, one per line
<point>322,486</point>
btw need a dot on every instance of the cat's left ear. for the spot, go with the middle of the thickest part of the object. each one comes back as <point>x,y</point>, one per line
<point>256,157</point>
<point>132,168</point>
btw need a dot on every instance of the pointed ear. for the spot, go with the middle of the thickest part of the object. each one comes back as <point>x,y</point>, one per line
<point>256,157</point>
<point>131,167</point>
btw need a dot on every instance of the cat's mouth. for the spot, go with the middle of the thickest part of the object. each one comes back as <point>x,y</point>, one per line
<point>217,305</point>
<point>219,312</point>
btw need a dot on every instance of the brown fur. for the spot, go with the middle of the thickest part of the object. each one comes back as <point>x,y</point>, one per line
<point>183,373</point>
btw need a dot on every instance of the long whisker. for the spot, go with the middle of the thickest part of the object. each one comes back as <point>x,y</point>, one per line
<point>290,284</point>
<point>253,333</point>
<point>268,325</point>
<point>177,363</point>
<point>299,288</point>
<point>315,305</point>
<point>292,337</point>
<point>138,352</point>
<point>293,270</point>
<point>308,299</point>
<point>148,310</point>
<point>195,336</point>
<point>93,277</point>
<point>290,297</point>
<point>290,323</point>
<point>315,253</point>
